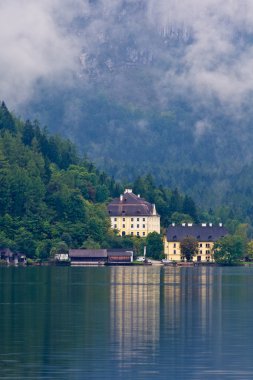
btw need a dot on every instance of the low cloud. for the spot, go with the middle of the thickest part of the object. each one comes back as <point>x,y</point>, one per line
<point>201,127</point>
<point>201,50</point>
<point>217,61</point>
<point>195,47</point>
<point>35,45</point>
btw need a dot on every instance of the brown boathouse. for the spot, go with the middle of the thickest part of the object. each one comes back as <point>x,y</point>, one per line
<point>88,256</point>
<point>100,256</point>
<point>119,256</point>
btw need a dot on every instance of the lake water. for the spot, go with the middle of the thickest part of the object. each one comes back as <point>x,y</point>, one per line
<point>126,323</point>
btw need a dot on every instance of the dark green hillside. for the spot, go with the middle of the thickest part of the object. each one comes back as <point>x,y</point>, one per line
<point>200,151</point>
<point>49,197</point>
<point>52,199</point>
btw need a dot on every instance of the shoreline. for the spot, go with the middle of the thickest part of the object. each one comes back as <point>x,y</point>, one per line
<point>96,265</point>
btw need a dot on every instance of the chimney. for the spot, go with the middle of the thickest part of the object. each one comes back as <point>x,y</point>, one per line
<point>203,224</point>
<point>138,196</point>
<point>173,224</point>
<point>220,224</point>
<point>121,198</point>
<point>154,209</point>
<point>128,191</point>
<point>183,224</point>
<point>189,224</point>
<point>210,224</point>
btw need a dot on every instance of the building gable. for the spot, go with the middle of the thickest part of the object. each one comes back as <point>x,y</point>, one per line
<point>130,204</point>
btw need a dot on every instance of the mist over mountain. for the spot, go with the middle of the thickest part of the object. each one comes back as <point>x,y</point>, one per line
<point>141,86</point>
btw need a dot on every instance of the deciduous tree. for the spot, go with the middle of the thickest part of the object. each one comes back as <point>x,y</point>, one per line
<point>229,250</point>
<point>154,246</point>
<point>189,247</point>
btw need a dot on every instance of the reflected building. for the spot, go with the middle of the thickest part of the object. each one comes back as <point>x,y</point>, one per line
<point>192,306</point>
<point>174,300</point>
<point>135,311</point>
<point>126,322</point>
<point>190,291</point>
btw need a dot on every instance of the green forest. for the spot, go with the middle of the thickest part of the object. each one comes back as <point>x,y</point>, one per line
<point>53,199</point>
<point>200,151</point>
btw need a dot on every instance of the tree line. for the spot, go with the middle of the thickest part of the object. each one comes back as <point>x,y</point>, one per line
<point>52,198</point>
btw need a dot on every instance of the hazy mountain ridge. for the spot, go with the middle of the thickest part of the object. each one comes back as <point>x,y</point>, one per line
<point>130,141</point>
<point>159,87</point>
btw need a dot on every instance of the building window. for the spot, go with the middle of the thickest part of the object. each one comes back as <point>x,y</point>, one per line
<point>143,226</point>
<point>138,219</point>
<point>200,245</point>
<point>200,252</point>
<point>123,233</point>
<point>143,234</point>
<point>132,226</point>
<point>132,219</point>
<point>207,245</point>
<point>174,245</point>
<point>207,252</point>
<point>124,219</point>
<point>138,234</point>
<point>174,252</point>
<point>115,225</point>
<point>144,219</point>
<point>132,234</point>
<point>123,226</point>
<point>115,219</point>
<point>138,225</point>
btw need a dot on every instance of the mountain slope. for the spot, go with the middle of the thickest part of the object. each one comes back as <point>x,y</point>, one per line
<point>203,158</point>
<point>158,91</point>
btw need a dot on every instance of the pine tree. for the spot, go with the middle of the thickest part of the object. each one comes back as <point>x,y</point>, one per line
<point>6,120</point>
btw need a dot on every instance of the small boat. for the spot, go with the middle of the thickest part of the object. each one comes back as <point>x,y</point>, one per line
<point>168,262</point>
<point>185,264</point>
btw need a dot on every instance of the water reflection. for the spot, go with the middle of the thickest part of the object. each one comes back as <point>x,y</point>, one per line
<point>188,317</point>
<point>52,321</point>
<point>121,322</point>
<point>190,290</point>
<point>135,312</point>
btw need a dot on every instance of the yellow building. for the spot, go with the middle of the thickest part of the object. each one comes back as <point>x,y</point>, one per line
<point>205,234</point>
<point>132,215</point>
